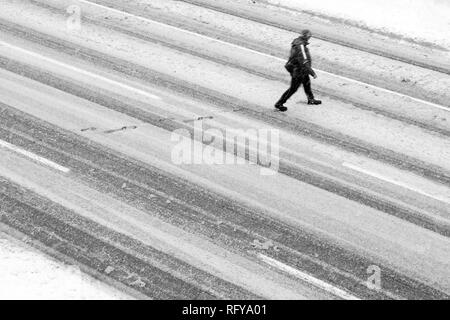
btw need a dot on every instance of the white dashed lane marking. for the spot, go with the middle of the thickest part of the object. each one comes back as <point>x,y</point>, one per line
<point>396,182</point>
<point>80,71</point>
<point>32,156</point>
<point>307,278</point>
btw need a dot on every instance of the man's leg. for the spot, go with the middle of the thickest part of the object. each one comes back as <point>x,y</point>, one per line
<point>306,81</point>
<point>295,84</point>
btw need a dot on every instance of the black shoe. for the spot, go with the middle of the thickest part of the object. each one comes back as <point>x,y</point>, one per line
<point>281,107</point>
<point>314,101</point>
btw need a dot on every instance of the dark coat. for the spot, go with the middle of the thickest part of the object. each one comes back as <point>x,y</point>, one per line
<point>300,57</point>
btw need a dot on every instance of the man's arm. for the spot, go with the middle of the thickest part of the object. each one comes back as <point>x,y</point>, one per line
<point>306,63</point>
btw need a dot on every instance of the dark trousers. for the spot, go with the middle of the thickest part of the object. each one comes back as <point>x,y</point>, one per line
<point>299,77</point>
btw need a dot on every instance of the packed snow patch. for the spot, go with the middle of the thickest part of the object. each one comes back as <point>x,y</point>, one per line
<point>421,20</point>
<point>27,274</point>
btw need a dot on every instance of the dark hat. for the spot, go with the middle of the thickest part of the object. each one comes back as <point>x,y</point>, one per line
<point>305,33</point>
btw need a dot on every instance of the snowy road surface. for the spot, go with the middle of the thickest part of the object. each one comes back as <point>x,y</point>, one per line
<point>359,207</point>
<point>27,274</point>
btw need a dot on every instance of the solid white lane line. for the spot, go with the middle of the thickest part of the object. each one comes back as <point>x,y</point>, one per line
<point>398,183</point>
<point>307,278</point>
<point>51,164</point>
<point>431,104</point>
<point>81,71</point>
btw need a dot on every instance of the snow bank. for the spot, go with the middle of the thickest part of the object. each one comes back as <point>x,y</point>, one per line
<point>421,20</point>
<point>28,274</point>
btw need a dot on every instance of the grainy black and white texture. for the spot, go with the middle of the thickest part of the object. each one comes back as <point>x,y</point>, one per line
<point>139,143</point>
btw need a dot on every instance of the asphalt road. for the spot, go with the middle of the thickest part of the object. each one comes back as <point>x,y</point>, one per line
<point>357,207</point>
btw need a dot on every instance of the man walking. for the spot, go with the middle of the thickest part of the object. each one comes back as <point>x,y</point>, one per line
<point>299,66</point>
